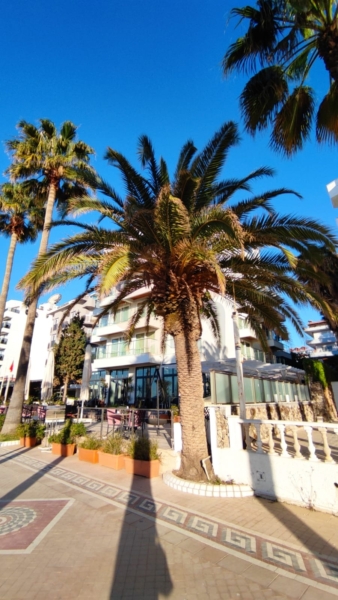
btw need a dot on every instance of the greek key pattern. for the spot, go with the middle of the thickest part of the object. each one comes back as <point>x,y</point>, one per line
<point>280,555</point>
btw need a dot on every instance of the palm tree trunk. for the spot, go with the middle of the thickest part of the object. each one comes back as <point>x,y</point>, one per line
<point>194,442</point>
<point>65,389</point>
<point>7,276</point>
<point>13,416</point>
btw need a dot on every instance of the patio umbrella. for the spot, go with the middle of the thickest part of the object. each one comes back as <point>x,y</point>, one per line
<point>86,375</point>
<point>48,377</point>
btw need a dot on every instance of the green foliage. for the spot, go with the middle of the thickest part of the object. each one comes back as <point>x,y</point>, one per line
<point>283,41</point>
<point>113,444</point>
<point>32,429</point>
<point>70,351</point>
<point>90,443</point>
<point>8,437</point>
<point>142,448</point>
<point>69,433</point>
<point>175,410</point>
<point>2,420</point>
<point>316,370</point>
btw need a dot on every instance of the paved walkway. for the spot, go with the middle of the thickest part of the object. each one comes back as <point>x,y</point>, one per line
<point>71,530</point>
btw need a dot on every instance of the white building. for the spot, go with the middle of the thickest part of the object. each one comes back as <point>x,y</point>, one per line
<point>128,373</point>
<point>323,343</point>
<point>48,317</point>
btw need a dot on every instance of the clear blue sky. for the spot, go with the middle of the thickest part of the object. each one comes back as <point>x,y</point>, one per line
<point>122,68</point>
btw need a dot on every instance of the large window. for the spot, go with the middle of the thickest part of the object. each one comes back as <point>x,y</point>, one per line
<point>258,390</point>
<point>146,386</point>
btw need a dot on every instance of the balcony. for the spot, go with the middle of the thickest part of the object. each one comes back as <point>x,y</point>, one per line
<point>138,351</point>
<point>275,342</point>
<point>6,325</point>
<point>3,340</point>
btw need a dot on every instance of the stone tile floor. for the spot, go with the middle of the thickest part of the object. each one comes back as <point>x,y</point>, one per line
<point>122,537</point>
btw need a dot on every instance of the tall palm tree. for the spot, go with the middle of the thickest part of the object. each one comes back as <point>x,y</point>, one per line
<point>283,41</point>
<point>185,242</point>
<point>21,219</point>
<point>60,165</point>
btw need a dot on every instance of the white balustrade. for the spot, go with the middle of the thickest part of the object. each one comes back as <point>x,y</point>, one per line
<point>313,448</point>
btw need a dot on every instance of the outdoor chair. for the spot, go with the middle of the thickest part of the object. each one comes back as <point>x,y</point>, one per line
<point>41,413</point>
<point>27,412</point>
<point>136,419</point>
<point>114,420</point>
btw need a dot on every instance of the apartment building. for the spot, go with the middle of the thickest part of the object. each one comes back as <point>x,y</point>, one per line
<point>48,318</point>
<point>128,373</point>
<point>323,342</point>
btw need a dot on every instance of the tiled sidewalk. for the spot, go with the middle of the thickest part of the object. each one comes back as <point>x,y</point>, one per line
<point>125,537</point>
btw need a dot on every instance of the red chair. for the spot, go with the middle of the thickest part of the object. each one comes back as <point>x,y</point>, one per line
<point>114,420</point>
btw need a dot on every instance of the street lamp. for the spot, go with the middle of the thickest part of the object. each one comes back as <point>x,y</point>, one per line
<point>239,365</point>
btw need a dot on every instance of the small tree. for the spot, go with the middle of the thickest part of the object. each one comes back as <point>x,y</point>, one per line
<point>69,354</point>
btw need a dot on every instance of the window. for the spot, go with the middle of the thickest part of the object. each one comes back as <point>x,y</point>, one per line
<point>122,315</point>
<point>146,386</point>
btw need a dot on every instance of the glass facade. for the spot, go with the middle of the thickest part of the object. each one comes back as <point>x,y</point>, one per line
<point>258,390</point>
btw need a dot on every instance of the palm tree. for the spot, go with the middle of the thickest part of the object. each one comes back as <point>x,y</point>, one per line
<point>60,165</point>
<point>283,41</point>
<point>184,242</point>
<point>21,218</point>
<point>320,273</point>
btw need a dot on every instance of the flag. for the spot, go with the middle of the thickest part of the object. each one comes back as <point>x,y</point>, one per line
<point>11,367</point>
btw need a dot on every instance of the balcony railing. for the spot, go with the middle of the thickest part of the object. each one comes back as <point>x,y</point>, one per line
<point>135,348</point>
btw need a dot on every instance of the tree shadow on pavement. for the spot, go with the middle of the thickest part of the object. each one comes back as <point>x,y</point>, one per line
<point>141,569</point>
<point>27,483</point>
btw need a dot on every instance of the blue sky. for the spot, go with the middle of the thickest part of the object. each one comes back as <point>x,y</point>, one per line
<point>122,68</point>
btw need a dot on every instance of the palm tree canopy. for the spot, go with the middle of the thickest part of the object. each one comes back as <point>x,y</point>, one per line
<point>283,41</point>
<point>51,157</point>
<point>184,240</point>
<point>21,212</point>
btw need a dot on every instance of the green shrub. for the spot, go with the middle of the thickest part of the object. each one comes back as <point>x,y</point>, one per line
<point>8,437</point>
<point>68,434</point>
<point>32,429</point>
<point>113,444</point>
<point>2,420</point>
<point>91,443</point>
<point>142,448</point>
<point>78,429</point>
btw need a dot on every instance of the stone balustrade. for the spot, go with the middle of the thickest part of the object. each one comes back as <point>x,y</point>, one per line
<point>313,441</point>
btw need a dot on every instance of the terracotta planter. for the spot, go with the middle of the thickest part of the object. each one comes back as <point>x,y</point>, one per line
<point>177,419</point>
<point>144,468</point>
<point>90,456</point>
<point>63,449</point>
<point>22,442</point>
<point>112,461</point>
<point>30,442</point>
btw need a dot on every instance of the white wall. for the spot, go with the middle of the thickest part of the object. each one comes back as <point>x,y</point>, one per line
<point>307,483</point>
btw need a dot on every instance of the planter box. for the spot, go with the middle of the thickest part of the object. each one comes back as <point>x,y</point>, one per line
<point>112,461</point>
<point>90,456</point>
<point>30,442</point>
<point>144,468</point>
<point>63,449</point>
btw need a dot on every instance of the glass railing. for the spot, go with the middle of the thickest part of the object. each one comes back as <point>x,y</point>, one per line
<point>135,348</point>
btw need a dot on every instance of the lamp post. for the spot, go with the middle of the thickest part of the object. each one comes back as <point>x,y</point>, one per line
<point>239,365</point>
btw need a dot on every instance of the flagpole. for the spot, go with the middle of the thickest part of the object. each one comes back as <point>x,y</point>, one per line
<point>8,381</point>
<point>7,386</point>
